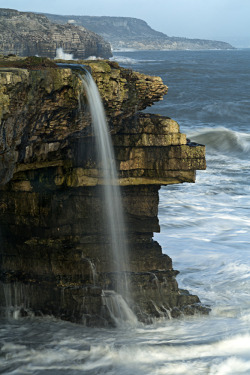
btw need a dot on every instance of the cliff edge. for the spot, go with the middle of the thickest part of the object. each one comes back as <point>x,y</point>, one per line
<point>133,33</point>
<point>55,252</point>
<point>30,34</point>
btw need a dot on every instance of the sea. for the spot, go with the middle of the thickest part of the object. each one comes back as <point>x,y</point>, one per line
<point>205,228</point>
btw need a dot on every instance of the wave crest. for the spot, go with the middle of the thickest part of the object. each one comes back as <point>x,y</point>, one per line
<point>124,60</point>
<point>222,140</point>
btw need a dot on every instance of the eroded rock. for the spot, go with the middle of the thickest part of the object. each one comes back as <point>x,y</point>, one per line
<point>55,249</point>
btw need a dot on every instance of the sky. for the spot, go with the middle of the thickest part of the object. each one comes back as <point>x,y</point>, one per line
<point>226,20</point>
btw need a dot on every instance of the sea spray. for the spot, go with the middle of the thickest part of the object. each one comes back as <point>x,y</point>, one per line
<point>115,223</point>
<point>60,54</point>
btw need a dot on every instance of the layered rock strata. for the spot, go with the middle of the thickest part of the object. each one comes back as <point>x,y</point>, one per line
<point>29,34</point>
<point>55,256</point>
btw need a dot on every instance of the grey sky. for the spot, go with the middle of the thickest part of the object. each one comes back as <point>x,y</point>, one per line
<point>226,20</point>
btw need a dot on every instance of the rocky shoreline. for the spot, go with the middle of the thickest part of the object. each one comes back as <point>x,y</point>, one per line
<point>133,33</point>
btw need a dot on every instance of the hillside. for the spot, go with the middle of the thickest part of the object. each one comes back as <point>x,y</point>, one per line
<point>127,32</point>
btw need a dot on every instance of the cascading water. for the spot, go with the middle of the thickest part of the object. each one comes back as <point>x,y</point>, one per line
<point>118,308</point>
<point>114,219</point>
<point>17,300</point>
<point>111,189</point>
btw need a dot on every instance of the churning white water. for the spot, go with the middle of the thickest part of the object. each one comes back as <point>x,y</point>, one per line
<point>114,218</point>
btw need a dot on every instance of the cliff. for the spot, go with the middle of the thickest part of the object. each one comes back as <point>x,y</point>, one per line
<point>29,34</point>
<point>127,32</point>
<point>54,249</point>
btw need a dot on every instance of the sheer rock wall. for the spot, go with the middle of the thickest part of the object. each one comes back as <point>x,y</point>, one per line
<point>54,252</point>
<point>29,34</point>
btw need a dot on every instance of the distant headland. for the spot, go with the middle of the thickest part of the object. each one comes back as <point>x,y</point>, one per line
<point>35,34</point>
<point>133,33</point>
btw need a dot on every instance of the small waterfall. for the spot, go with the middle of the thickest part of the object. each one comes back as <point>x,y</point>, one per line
<point>114,219</point>
<point>16,300</point>
<point>168,312</point>
<point>92,268</point>
<point>157,309</point>
<point>118,309</point>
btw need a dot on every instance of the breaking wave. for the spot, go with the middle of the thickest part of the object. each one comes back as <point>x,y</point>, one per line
<point>222,140</point>
<point>60,54</point>
<point>124,60</point>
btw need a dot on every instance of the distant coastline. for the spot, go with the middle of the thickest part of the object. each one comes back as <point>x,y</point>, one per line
<point>85,36</point>
<point>135,34</point>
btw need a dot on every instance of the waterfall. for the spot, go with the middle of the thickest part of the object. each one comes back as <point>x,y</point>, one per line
<point>116,303</point>
<point>118,309</point>
<point>17,300</point>
<point>114,219</point>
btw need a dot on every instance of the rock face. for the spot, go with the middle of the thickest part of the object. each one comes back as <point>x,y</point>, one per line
<point>127,32</point>
<point>29,34</point>
<point>54,252</point>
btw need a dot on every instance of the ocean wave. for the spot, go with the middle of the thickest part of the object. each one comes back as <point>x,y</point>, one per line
<point>94,58</point>
<point>227,109</point>
<point>129,61</point>
<point>124,60</point>
<point>222,140</point>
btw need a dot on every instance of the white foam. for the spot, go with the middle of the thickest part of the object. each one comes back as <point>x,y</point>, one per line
<point>124,60</point>
<point>61,55</point>
<point>94,58</point>
<point>231,366</point>
<point>222,139</point>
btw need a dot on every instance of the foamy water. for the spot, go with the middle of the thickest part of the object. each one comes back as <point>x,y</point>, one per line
<point>60,54</point>
<point>204,228</point>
